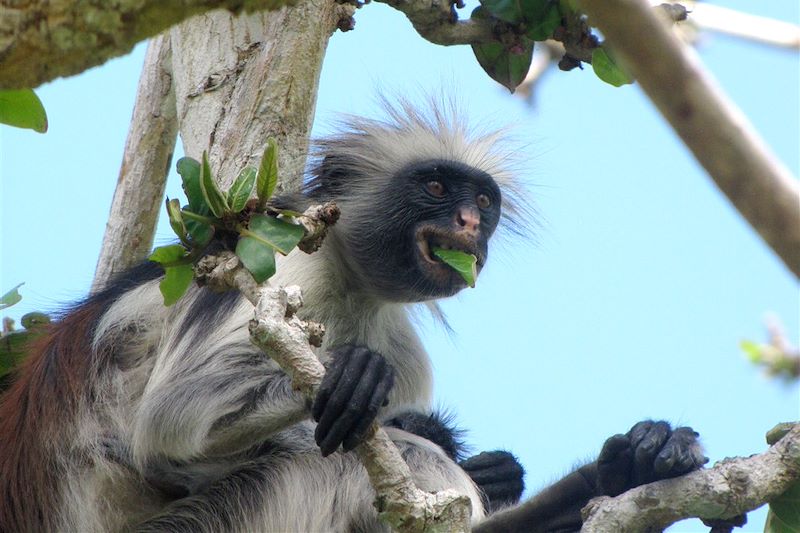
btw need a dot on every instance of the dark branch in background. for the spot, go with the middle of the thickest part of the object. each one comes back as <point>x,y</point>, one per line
<point>731,488</point>
<point>145,164</point>
<point>41,40</point>
<point>763,190</point>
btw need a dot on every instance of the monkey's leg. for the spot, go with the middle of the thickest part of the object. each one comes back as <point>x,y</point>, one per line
<point>293,488</point>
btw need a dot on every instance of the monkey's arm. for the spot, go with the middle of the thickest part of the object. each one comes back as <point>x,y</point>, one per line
<point>221,410</point>
<point>210,392</point>
<point>648,452</point>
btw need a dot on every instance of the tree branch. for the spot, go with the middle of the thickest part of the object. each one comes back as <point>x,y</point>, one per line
<point>720,136</point>
<point>730,488</point>
<point>145,164</point>
<point>744,25</point>
<point>41,40</point>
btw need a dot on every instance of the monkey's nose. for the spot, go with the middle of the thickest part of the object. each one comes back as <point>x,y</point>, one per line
<point>469,220</point>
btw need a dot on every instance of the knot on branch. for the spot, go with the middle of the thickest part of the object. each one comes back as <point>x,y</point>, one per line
<point>224,271</point>
<point>315,221</point>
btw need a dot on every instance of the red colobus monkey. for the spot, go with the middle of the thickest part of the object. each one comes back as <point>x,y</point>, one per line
<point>132,416</point>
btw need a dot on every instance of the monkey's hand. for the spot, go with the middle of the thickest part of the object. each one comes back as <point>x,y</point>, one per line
<point>499,476</point>
<point>355,387</point>
<point>650,451</point>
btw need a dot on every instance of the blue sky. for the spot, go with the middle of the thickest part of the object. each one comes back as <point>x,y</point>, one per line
<point>629,303</point>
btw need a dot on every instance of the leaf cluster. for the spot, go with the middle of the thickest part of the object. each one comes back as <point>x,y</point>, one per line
<point>14,342</point>
<point>230,217</point>
<point>508,60</point>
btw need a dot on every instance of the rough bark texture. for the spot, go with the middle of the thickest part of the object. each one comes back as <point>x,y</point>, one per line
<point>730,488</point>
<point>720,136</point>
<point>138,198</point>
<point>41,40</point>
<point>240,79</point>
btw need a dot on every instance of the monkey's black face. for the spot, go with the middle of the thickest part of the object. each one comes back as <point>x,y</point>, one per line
<point>429,204</point>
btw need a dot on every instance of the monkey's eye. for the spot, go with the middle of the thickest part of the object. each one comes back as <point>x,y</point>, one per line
<point>435,188</point>
<point>483,201</point>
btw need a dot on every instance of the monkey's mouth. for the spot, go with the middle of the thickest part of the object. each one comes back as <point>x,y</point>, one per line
<point>429,237</point>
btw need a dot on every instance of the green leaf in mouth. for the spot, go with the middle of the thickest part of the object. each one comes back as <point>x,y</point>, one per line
<point>463,263</point>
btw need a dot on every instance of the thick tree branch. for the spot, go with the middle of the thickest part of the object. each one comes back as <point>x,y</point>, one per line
<point>145,164</point>
<point>41,40</point>
<point>730,488</point>
<point>719,135</point>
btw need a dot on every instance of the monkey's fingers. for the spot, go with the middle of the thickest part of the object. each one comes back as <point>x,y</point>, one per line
<point>682,453</point>
<point>338,360</point>
<point>492,467</point>
<point>349,403</point>
<point>646,451</point>
<point>330,405</point>
<point>376,401</point>
<point>639,431</point>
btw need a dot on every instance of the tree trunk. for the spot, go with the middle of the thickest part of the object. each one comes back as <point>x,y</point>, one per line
<point>241,79</point>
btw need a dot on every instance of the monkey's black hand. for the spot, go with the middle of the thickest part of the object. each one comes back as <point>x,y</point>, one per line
<point>499,476</point>
<point>648,452</point>
<point>355,386</point>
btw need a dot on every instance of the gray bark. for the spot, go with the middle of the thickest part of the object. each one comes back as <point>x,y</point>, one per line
<point>41,40</point>
<point>138,198</point>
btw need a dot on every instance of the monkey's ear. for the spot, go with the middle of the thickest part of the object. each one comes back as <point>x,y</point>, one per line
<point>330,177</point>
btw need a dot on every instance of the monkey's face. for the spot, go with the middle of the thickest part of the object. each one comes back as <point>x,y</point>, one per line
<point>429,204</point>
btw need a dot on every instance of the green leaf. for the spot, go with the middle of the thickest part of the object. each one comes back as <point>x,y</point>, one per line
<point>213,197</point>
<point>258,258</point>
<point>784,512</point>
<point>11,297</point>
<point>607,69</point>
<point>507,67</point>
<point>200,232</point>
<point>176,219</point>
<point>463,263</point>
<point>267,173</point>
<point>175,283</point>
<point>542,23</point>
<point>507,10</point>
<point>189,169</point>
<point>752,350</point>
<point>34,319</point>
<point>23,109</point>
<point>240,191</point>
<point>168,254</point>
<point>274,232</point>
